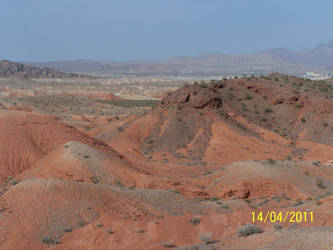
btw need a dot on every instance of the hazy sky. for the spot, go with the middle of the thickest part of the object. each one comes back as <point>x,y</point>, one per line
<point>41,30</point>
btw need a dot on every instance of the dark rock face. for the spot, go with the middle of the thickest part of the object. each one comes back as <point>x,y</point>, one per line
<point>8,69</point>
<point>196,96</point>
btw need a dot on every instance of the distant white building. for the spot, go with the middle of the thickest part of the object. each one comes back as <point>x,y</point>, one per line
<point>316,76</point>
<point>312,75</point>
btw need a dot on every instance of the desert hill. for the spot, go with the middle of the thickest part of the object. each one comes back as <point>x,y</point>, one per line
<point>287,116</point>
<point>27,137</point>
<point>12,69</point>
<point>188,171</point>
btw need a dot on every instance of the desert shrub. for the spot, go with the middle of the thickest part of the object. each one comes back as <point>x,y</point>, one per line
<point>119,184</point>
<point>68,230</point>
<point>303,119</point>
<point>248,97</point>
<point>205,237</point>
<point>94,179</point>
<point>49,240</point>
<point>14,182</point>
<point>194,221</point>
<point>278,226</point>
<point>99,225</point>
<point>174,191</point>
<point>167,244</point>
<point>203,84</point>
<point>249,229</point>
<point>214,198</point>
<point>109,231</point>
<point>299,105</point>
<point>268,110</point>
<point>316,163</point>
<point>298,203</point>
<point>140,231</point>
<point>320,184</point>
<point>271,161</point>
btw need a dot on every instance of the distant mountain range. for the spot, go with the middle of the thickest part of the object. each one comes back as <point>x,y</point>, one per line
<point>12,69</point>
<point>319,59</point>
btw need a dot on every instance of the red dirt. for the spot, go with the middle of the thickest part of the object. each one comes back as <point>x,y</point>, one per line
<point>214,152</point>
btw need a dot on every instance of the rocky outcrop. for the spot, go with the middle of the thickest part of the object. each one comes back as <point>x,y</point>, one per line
<point>197,96</point>
<point>9,69</point>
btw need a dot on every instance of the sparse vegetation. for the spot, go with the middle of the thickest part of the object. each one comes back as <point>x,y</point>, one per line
<point>249,229</point>
<point>278,226</point>
<point>14,182</point>
<point>132,103</point>
<point>50,241</point>
<point>268,110</point>
<point>203,84</point>
<point>297,203</point>
<point>205,237</point>
<point>248,97</point>
<point>299,105</point>
<point>194,221</point>
<point>94,179</point>
<point>167,244</point>
<point>320,184</point>
<point>316,163</point>
<point>213,198</point>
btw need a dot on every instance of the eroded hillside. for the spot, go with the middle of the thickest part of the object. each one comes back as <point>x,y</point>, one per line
<point>95,171</point>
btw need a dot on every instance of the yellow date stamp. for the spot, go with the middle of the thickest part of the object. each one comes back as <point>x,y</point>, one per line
<point>282,217</point>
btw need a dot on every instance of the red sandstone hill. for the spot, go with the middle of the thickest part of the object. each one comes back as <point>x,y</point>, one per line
<point>26,138</point>
<point>284,115</point>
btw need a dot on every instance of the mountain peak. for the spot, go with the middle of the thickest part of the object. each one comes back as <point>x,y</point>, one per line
<point>328,45</point>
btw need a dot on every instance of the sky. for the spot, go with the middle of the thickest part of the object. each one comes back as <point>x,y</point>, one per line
<point>122,30</point>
